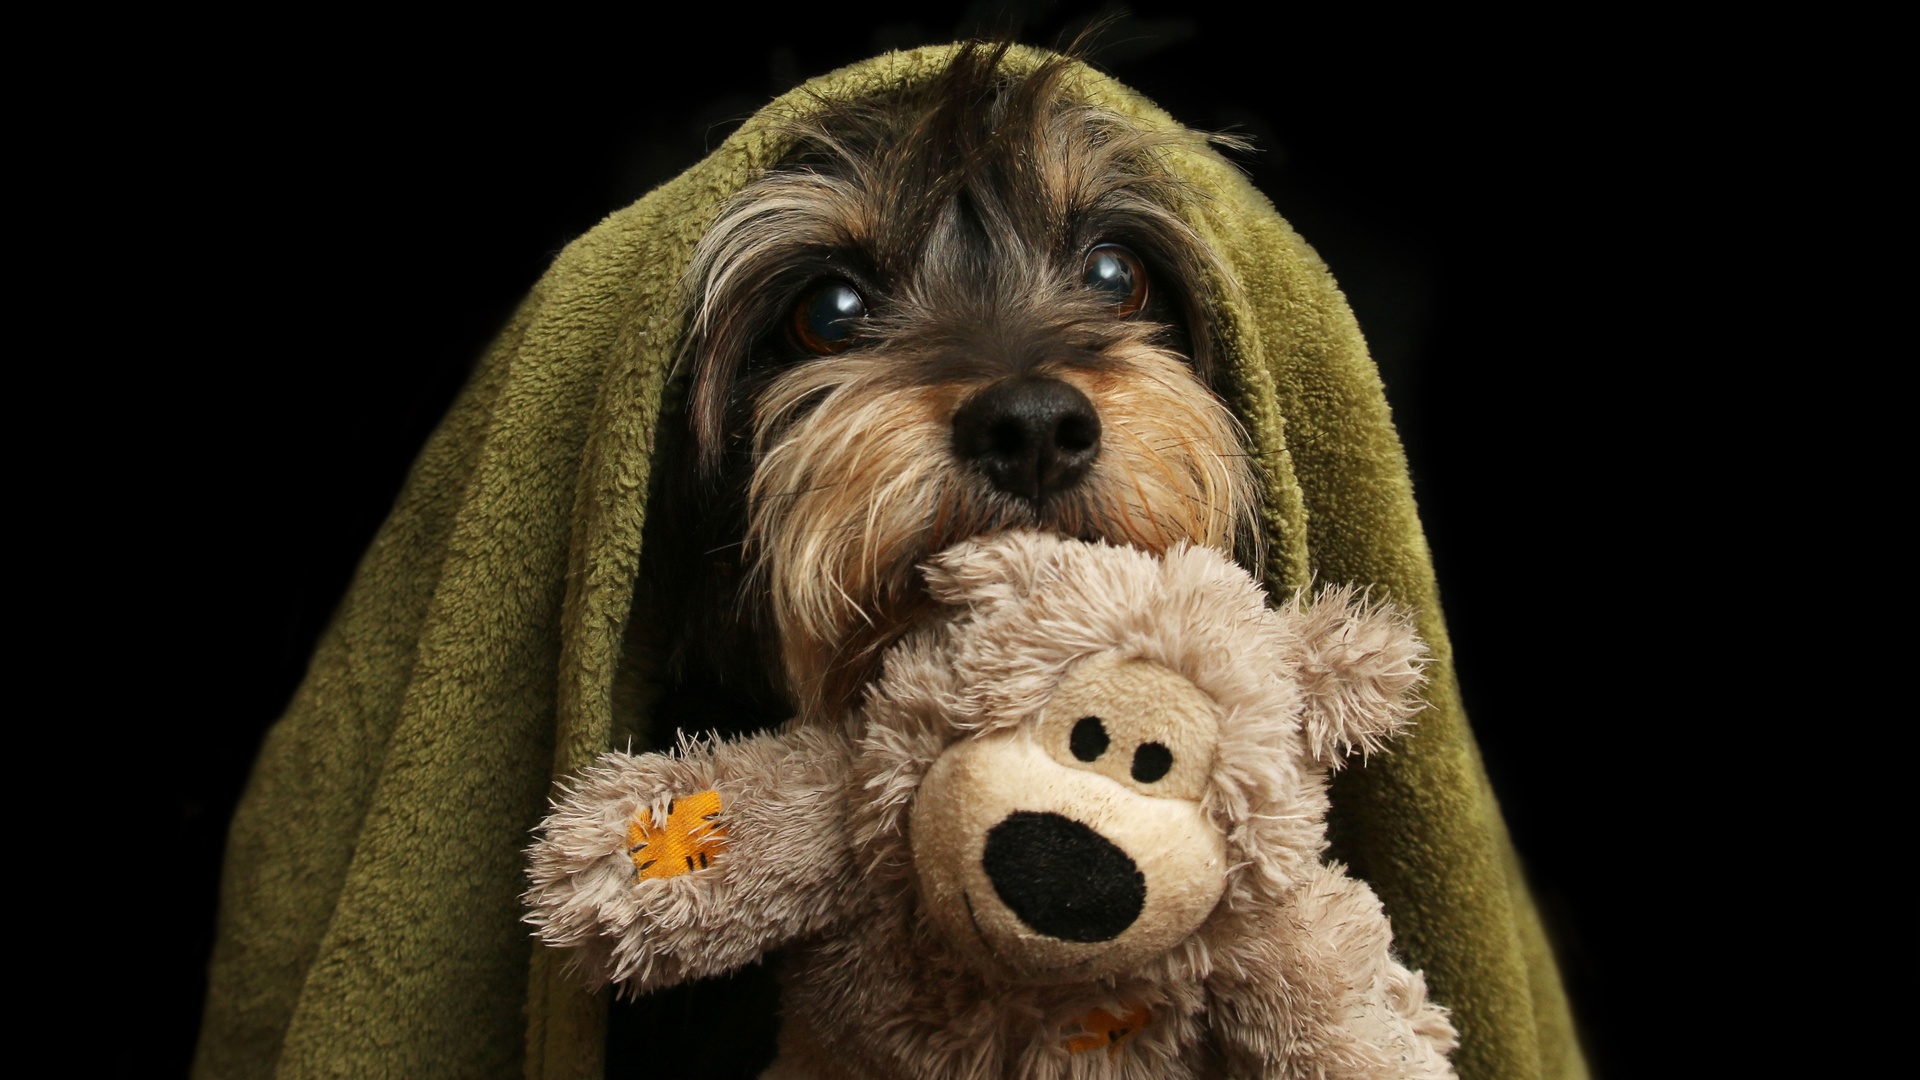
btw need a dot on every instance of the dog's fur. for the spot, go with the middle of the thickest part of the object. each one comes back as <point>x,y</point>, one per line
<point>805,491</point>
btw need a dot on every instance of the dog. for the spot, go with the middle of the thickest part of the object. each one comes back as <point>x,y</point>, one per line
<point>953,310</point>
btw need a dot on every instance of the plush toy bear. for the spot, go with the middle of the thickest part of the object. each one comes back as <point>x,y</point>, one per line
<point>1074,830</point>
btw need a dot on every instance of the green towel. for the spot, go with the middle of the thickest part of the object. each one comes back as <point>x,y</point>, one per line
<point>370,915</point>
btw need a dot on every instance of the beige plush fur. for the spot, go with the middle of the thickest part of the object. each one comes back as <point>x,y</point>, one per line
<point>1146,711</point>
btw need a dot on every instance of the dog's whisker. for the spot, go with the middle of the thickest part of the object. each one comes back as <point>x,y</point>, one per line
<point>1167,474</point>
<point>798,492</point>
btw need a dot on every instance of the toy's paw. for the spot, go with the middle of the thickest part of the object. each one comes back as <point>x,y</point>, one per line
<point>687,841</point>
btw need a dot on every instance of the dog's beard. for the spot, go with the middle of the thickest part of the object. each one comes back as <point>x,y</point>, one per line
<point>856,484</point>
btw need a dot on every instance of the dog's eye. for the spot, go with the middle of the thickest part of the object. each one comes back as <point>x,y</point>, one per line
<point>828,317</point>
<point>1116,273</point>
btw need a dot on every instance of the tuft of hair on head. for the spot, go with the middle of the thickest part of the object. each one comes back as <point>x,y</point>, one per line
<point>986,570</point>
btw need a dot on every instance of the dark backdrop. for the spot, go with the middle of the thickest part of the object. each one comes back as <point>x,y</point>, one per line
<point>1509,221</point>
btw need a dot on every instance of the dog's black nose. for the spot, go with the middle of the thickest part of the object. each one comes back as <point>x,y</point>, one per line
<point>1032,437</point>
<point>1062,878</point>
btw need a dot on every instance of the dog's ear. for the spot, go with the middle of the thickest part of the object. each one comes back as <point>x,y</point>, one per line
<point>1359,666</point>
<point>991,569</point>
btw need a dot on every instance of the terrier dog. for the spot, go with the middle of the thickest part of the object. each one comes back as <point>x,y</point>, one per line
<point>958,309</point>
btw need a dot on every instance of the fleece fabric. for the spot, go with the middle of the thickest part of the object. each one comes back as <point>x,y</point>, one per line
<point>370,914</point>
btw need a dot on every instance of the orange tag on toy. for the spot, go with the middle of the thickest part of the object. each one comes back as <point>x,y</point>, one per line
<point>1102,1028</point>
<point>687,842</point>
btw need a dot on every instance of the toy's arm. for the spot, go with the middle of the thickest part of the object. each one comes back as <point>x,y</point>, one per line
<point>1318,993</point>
<point>656,868</point>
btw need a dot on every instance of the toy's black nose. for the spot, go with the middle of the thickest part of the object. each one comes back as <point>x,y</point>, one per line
<point>1032,437</point>
<point>1062,878</point>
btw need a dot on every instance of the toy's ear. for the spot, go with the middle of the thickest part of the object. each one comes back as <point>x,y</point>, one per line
<point>990,569</point>
<point>1359,668</point>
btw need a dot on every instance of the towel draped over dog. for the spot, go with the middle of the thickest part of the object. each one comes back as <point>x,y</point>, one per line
<point>370,914</point>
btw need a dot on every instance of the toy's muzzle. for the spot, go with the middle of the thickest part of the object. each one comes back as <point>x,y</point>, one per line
<point>1075,845</point>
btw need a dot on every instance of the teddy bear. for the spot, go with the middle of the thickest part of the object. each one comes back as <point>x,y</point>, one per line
<point>1075,829</point>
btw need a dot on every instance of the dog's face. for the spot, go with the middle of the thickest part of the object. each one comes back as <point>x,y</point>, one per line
<point>958,310</point>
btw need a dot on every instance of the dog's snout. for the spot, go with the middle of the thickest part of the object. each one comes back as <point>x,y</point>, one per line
<point>1032,437</point>
<point>1062,878</point>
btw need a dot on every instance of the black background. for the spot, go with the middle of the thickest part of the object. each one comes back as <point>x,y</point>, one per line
<point>329,223</point>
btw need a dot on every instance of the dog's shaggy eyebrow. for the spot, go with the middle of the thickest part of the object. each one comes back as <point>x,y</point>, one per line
<point>980,137</point>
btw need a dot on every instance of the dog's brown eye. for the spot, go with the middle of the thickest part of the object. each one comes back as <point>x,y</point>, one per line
<point>827,317</point>
<point>1116,273</point>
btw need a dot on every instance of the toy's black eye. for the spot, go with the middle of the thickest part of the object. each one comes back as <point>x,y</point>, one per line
<point>1089,738</point>
<point>1151,762</point>
<point>1116,273</point>
<point>828,317</point>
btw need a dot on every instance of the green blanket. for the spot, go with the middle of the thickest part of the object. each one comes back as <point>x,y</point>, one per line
<point>370,914</point>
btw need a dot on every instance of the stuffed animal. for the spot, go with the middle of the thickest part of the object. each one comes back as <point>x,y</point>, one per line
<point>1073,830</point>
